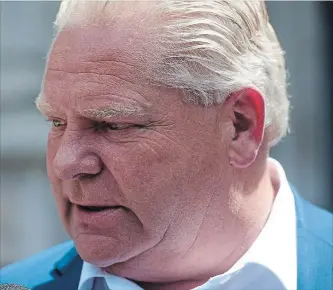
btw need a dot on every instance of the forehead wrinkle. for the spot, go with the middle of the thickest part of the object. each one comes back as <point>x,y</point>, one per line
<point>89,83</point>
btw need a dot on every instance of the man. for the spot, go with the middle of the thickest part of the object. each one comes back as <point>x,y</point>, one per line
<point>164,113</point>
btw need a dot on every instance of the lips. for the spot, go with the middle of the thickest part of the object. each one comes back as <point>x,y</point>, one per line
<point>96,219</point>
<point>96,208</point>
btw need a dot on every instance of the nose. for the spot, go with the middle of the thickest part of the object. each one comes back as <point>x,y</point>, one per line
<point>73,162</point>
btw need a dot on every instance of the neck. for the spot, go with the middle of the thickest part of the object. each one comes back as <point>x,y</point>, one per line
<point>241,227</point>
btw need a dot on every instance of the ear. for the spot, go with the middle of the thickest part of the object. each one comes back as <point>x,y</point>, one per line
<point>248,118</point>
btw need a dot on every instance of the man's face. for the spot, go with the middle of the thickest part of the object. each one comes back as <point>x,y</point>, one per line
<point>133,168</point>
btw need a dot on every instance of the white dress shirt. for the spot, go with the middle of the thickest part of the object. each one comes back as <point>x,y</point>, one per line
<point>269,264</point>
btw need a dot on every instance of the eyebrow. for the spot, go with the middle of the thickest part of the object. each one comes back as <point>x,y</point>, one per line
<point>114,109</point>
<point>42,106</point>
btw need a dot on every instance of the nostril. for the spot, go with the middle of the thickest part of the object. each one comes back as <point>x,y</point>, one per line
<point>84,175</point>
<point>80,176</point>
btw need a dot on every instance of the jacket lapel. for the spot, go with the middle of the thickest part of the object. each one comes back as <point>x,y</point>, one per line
<point>66,273</point>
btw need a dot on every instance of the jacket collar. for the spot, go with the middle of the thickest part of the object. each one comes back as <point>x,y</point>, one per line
<point>66,273</point>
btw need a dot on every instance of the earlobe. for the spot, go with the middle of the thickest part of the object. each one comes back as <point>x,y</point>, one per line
<point>248,118</point>
<point>242,155</point>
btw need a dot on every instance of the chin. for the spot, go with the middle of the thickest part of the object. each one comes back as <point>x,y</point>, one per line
<point>98,250</point>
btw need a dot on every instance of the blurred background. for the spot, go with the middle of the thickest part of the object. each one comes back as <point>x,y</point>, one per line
<point>29,220</point>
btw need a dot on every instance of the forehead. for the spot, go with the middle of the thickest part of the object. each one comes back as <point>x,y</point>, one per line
<point>96,62</point>
<point>94,48</point>
<point>98,43</point>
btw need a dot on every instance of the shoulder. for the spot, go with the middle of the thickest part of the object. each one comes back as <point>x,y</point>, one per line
<point>316,221</point>
<point>36,269</point>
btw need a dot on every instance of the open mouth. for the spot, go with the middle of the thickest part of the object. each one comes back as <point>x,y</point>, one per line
<point>97,208</point>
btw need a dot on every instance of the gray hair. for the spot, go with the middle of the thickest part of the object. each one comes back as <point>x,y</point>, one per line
<point>208,49</point>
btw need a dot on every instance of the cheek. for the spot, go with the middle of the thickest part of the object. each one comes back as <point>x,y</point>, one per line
<point>61,201</point>
<point>149,167</point>
<point>153,178</point>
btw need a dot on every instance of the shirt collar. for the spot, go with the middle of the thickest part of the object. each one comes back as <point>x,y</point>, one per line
<point>89,272</point>
<point>274,248</point>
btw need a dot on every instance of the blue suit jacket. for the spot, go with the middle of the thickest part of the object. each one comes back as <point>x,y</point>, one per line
<point>59,268</point>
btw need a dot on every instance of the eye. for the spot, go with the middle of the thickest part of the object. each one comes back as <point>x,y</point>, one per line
<point>115,126</point>
<point>57,123</point>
